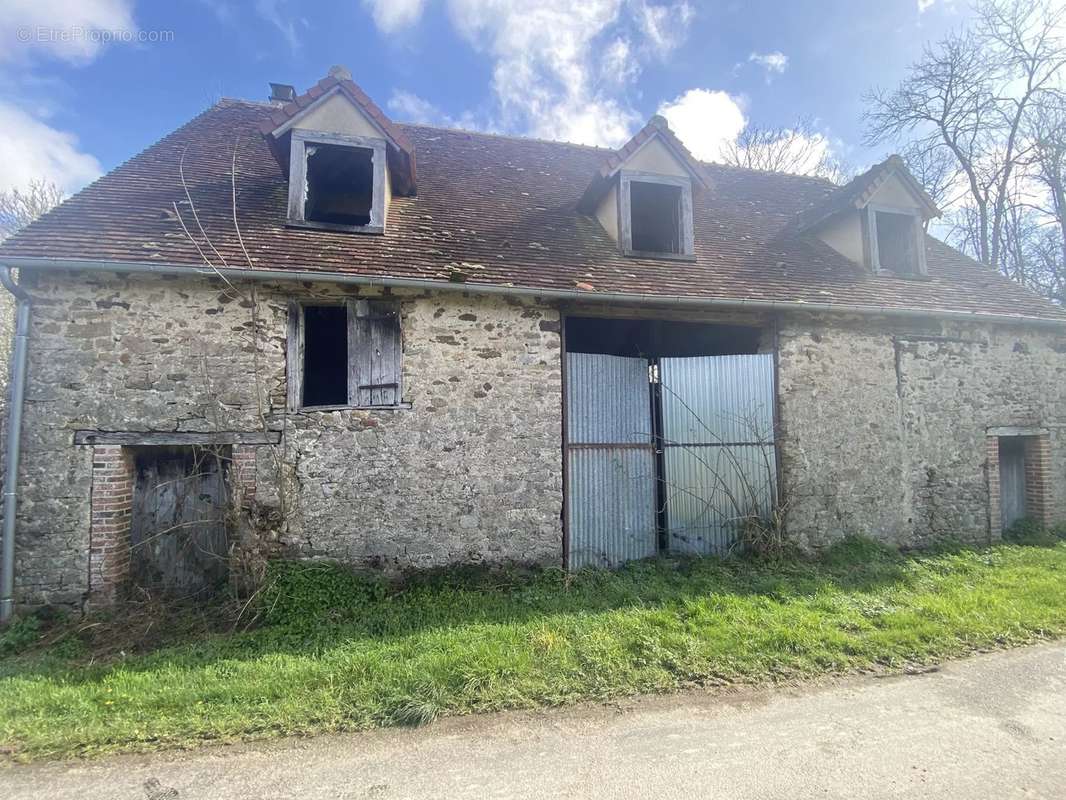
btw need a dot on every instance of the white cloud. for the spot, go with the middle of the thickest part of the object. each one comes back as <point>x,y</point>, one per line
<point>30,150</point>
<point>704,120</point>
<point>665,26</point>
<point>799,152</point>
<point>771,62</point>
<point>63,29</point>
<point>810,151</point>
<point>544,53</point>
<point>560,68</point>
<point>925,5</point>
<point>409,107</point>
<point>618,64</point>
<point>273,12</point>
<point>392,15</point>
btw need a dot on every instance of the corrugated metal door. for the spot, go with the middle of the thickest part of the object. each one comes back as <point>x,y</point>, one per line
<point>719,462</point>
<point>610,460</point>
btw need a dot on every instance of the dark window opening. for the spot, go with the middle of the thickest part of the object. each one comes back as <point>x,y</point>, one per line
<point>325,376</point>
<point>655,217</point>
<point>340,184</point>
<point>896,242</point>
<point>650,338</point>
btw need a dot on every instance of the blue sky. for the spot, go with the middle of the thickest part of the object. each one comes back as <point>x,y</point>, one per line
<point>73,105</point>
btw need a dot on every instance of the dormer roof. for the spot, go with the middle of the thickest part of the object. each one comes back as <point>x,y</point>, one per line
<point>856,193</point>
<point>400,153</point>
<point>656,129</point>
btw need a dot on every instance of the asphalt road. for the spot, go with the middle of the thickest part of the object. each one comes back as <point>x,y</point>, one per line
<point>988,727</point>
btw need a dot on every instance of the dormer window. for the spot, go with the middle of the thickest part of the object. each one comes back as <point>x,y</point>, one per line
<point>337,182</point>
<point>655,214</point>
<point>895,240</point>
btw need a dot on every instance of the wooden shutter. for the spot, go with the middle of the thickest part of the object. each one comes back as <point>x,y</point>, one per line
<point>374,353</point>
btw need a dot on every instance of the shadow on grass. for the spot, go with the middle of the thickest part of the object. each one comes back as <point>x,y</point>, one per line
<point>458,598</point>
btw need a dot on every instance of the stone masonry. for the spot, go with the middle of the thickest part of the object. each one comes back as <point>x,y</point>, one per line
<point>469,471</point>
<point>885,426</point>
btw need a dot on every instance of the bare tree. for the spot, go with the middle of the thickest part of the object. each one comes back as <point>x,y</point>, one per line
<point>936,170</point>
<point>20,207</point>
<point>799,149</point>
<point>1048,168</point>
<point>969,97</point>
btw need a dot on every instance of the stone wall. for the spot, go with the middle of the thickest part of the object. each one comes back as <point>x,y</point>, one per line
<point>885,424</point>
<point>471,470</point>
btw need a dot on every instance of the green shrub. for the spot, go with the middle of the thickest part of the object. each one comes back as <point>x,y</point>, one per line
<point>303,593</point>
<point>19,634</point>
<point>1030,532</point>
<point>855,550</point>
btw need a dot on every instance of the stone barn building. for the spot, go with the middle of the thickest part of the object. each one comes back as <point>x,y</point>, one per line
<point>300,328</point>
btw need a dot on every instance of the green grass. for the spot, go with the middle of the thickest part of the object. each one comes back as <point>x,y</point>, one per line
<point>454,645</point>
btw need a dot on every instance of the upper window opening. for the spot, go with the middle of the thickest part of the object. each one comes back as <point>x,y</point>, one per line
<point>325,367</point>
<point>655,217</point>
<point>897,242</point>
<point>340,184</point>
<point>337,182</point>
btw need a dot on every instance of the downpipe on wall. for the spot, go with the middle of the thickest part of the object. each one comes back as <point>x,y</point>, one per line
<point>17,381</point>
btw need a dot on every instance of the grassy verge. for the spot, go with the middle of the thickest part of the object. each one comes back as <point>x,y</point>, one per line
<point>453,645</point>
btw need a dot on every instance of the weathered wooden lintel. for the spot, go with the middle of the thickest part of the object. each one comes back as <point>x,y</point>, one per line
<point>150,438</point>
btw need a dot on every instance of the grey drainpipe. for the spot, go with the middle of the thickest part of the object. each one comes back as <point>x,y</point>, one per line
<point>17,379</point>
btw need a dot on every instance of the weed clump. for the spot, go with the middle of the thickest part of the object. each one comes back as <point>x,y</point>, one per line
<point>306,593</point>
<point>1029,532</point>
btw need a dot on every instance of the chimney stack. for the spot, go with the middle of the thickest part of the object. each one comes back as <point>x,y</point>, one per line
<point>282,93</point>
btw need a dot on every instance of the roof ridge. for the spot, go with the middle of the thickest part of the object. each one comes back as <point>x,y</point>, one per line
<point>775,172</point>
<point>243,101</point>
<point>512,136</point>
<point>544,140</point>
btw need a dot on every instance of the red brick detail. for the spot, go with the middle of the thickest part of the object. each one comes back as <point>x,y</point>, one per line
<point>1037,478</point>
<point>995,514</point>
<point>1037,481</point>
<point>110,518</point>
<point>244,477</point>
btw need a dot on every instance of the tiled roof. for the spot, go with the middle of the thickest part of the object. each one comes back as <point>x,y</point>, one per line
<point>858,191</point>
<point>491,210</point>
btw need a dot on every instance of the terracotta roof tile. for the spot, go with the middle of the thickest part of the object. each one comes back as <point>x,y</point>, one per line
<point>494,210</point>
<point>858,191</point>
